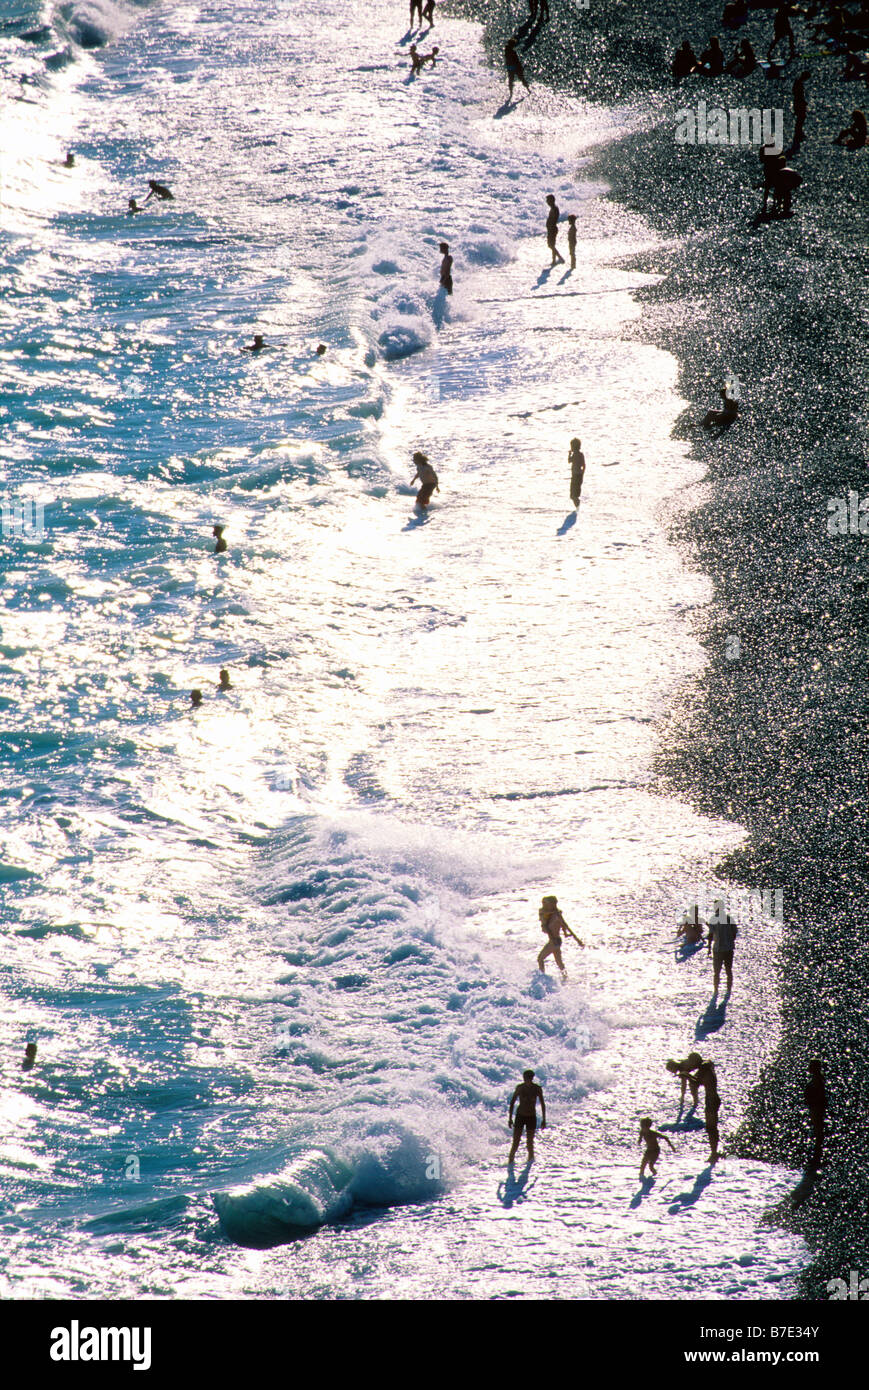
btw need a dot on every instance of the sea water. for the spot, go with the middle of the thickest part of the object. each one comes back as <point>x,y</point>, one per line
<point>278,953</point>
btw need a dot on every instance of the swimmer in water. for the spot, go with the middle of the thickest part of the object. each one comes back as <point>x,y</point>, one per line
<point>256,346</point>
<point>221,543</point>
<point>133,207</point>
<point>225,682</point>
<point>69,162</point>
<point>650,1137</point>
<point>196,698</point>
<point>321,348</point>
<point>418,60</point>
<point>160,191</point>
<point>427,477</point>
<point>29,1057</point>
<point>571,239</point>
<point>446,267</point>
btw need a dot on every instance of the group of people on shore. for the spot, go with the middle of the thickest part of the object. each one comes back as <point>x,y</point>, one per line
<point>694,1072</point>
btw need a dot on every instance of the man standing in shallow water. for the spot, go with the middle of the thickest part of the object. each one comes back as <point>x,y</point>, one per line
<point>527,1094</point>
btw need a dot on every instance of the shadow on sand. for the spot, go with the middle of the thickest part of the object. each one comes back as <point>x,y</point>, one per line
<point>514,1190</point>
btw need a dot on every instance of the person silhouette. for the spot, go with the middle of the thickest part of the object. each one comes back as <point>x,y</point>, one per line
<point>552,229</point>
<point>576,459</point>
<point>527,1094</point>
<point>815,1092</point>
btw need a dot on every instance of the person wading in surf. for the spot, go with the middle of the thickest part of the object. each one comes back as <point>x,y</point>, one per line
<point>427,476</point>
<point>527,1094</point>
<point>553,924</point>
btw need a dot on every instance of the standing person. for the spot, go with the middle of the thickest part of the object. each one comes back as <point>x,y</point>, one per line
<point>527,1093</point>
<point>650,1137</point>
<point>801,107</point>
<point>427,477</point>
<point>446,267</point>
<point>781,29</point>
<point>720,943</point>
<point>576,459</point>
<point>815,1092</point>
<point>552,229</point>
<point>553,924</point>
<point>415,8</point>
<point>532,10</point>
<point>221,546</point>
<point>571,239</point>
<point>544,10</point>
<point>707,1078</point>
<point>428,13</point>
<point>515,70</point>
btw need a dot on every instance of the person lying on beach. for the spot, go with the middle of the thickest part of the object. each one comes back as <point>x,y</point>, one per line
<point>159,190</point>
<point>515,70</point>
<point>744,60</point>
<point>712,58</point>
<point>684,62</point>
<point>853,137</point>
<point>419,60</point>
<point>728,413</point>
<point>650,1137</point>
<point>685,1071</point>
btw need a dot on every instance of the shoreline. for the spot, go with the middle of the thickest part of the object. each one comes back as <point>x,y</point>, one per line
<point>769,741</point>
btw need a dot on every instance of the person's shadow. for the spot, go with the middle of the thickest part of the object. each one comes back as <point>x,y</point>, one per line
<point>567,274</point>
<point>686,949</point>
<point>567,523</point>
<point>544,276</point>
<point>514,1190</point>
<point>509,105</point>
<point>418,519</point>
<point>646,1185</point>
<point>683,1200</point>
<point>713,1018</point>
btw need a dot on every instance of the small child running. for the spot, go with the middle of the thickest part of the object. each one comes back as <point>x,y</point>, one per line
<point>650,1137</point>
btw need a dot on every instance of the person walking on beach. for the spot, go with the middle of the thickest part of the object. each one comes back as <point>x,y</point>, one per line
<point>428,10</point>
<point>515,70</point>
<point>815,1092</point>
<point>571,239</point>
<point>527,1094</point>
<point>685,1070</point>
<point>427,477</point>
<point>650,1137</point>
<point>781,29</point>
<point>415,8</point>
<point>552,229</point>
<point>446,267</point>
<point>801,108</point>
<point>720,943</point>
<point>553,924</point>
<point>576,459</point>
<point>707,1078</point>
